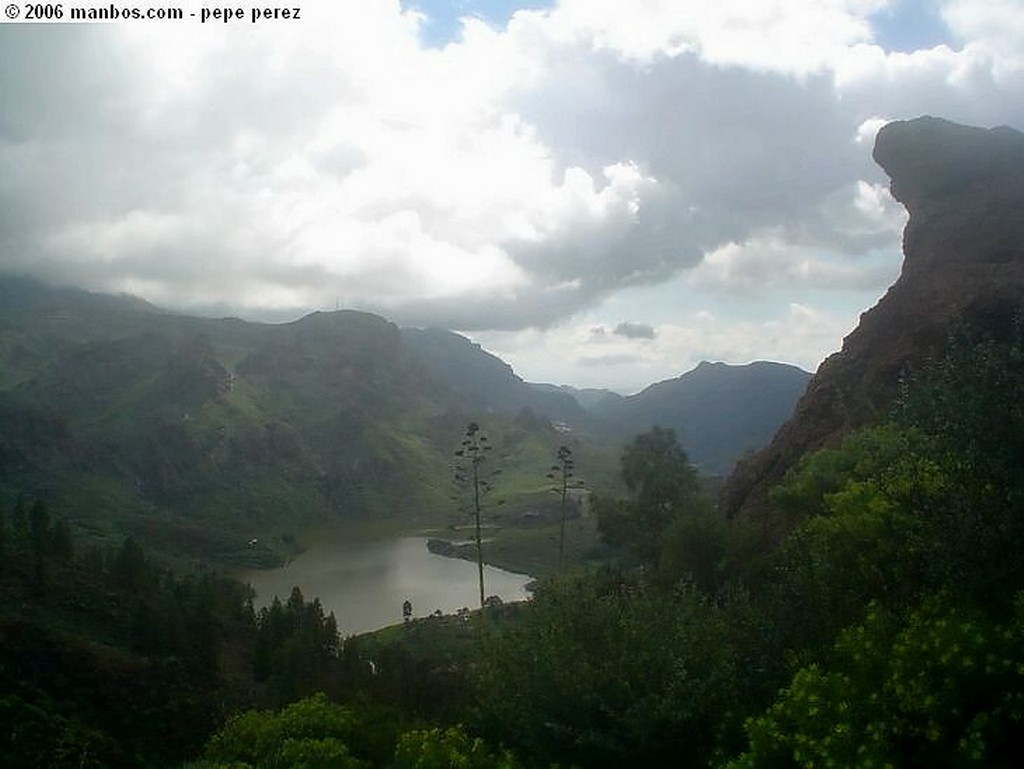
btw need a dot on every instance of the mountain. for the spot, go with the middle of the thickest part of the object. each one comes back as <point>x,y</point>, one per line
<point>719,412</point>
<point>201,434</point>
<point>589,398</point>
<point>487,380</point>
<point>963,268</point>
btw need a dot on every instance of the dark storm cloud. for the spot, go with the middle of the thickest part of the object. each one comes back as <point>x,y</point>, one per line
<point>635,330</point>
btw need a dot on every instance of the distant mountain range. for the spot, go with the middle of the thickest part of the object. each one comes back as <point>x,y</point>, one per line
<point>203,433</point>
<point>719,412</point>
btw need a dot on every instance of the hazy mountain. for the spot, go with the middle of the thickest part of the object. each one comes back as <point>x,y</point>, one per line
<point>589,398</point>
<point>202,433</point>
<point>486,379</point>
<point>719,411</point>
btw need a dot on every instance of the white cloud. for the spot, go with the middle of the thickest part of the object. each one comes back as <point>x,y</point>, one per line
<point>115,239</point>
<point>589,356</point>
<point>993,28</point>
<point>388,190</point>
<point>765,263</point>
<point>518,177</point>
<point>791,36</point>
<point>979,83</point>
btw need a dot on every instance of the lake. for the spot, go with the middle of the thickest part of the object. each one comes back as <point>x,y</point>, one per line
<point>365,583</point>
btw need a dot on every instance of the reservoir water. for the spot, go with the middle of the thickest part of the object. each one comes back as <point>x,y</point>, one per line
<point>366,583</point>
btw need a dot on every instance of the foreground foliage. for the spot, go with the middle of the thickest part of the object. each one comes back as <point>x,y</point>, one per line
<point>886,630</point>
<point>313,733</point>
<point>600,672</point>
<point>910,560</point>
<point>941,687</point>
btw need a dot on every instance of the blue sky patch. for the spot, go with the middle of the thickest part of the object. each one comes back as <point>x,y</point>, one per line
<point>442,24</point>
<point>911,25</point>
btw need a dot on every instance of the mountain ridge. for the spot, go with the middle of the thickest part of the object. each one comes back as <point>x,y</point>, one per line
<point>963,267</point>
<point>194,429</point>
<point>718,410</point>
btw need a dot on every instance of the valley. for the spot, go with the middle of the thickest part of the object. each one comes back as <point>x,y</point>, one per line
<point>210,528</point>
<point>199,436</point>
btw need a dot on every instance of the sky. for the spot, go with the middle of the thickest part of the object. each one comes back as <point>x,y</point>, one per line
<point>602,192</point>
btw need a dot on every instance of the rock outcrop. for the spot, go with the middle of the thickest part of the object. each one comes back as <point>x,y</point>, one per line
<point>963,264</point>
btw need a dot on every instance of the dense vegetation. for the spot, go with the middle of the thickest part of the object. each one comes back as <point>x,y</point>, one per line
<point>886,629</point>
<point>107,659</point>
<point>197,436</point>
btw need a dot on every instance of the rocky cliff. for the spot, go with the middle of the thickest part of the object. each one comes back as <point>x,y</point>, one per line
<point>963,263</point>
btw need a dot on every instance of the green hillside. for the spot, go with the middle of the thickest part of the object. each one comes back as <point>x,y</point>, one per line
<point>720,412</point>
<point>199,435</point>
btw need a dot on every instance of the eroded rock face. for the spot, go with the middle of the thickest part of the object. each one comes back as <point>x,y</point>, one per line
<point>963,262</point>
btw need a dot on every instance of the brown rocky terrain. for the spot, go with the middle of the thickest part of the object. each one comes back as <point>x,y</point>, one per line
<point>963,264</point>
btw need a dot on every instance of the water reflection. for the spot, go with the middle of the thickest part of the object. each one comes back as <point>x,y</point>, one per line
<point>365,584</point>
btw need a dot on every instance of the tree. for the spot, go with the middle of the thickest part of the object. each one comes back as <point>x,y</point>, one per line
<point>201,624</point>
<point>701,545</point>
<point>900,591</point>
<point>662,485</point>
<point>445,748</point>
<point>561,473</point>
<point>296,646</point>
<point>971,405</point>
<point>927,501</point>
<point>130,567</point>
<point>39,526</point>
<point>19,519</point>
<point>60,540</point>
<point>598,671</point>
<point>942,687</point>
<point>473,482</point>
<point>312,733</point>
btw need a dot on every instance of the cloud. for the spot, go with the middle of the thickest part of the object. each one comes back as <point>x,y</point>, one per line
<point>516,178</point>
<point>767,262</point>
<point>635,330</point>
<point>320,180</point>
<point>993,28</point>
<point>801,334</point>
<point>790,36</point>
<point>613,359</point>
